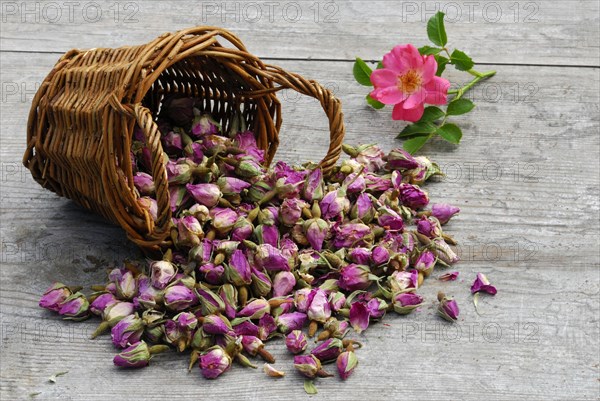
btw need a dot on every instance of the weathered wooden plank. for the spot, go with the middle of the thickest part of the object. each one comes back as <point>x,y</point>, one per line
<point>538,32</point>
<point>533,228</point>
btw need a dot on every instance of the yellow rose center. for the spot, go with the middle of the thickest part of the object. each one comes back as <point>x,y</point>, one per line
<point>409,82</point>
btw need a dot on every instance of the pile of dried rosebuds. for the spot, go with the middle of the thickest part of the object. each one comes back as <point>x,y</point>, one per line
<point>262,253</point>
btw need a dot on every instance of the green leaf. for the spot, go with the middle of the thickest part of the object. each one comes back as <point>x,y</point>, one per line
<point>374,103</point>
<point>362,72</point>
<point>441,62</point>
<point>436,30</point>
<point>429,50</point>
<point>417,128</point>
<point>380,65</point>
<point>459,106</point>
<point>450,132</point>
<point>414,144</point>
<point>309,387</point>
<point>461,61</point>
<point>431,114</point>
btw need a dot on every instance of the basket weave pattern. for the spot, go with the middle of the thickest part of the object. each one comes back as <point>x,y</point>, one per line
<point>82,118</point>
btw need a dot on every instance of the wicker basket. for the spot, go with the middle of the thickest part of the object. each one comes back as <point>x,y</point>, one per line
<point>82,118</point>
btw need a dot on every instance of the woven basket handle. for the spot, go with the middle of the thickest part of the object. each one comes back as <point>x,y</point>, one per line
<point>145,120</point>
<point>331,105</point>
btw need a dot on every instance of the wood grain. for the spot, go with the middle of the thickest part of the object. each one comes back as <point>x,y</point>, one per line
<point>505,31</point>
<point>526,178</point>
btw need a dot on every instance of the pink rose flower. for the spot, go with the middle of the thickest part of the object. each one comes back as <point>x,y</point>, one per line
<point>408,81</point>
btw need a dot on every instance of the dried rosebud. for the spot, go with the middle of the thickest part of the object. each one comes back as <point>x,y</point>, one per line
<point>214,362</point>
<point>363,209</point>
<point>146,295</point>
<point>354,277</point>
<point>413,196</point>
<point>401,281</point>
<point>248,167</point>
<point>150,205</point>
<point>346,363</point>
<point>190,231</point>
<point>232,186</point>
<point>287,322</point>
<point>443,212</point>
<point>127,331</point>
<point>302,298</point>
<point>337,300</point>
<point>334,204</point>
<point>271,258</point>
<point>210,303</point>
<point>401,159</point>
<point>216,324</point>
<point>429,227</point>
<point>205,194</point>
<point>266,326</point>
<point>352,235</point>
<point>213,274</point>
<point>283,283</point>
<point>178,331</point>
<point>307,365</point>
<point>380,255</point>
<point>319,309</point>
<point>443,251</point>
<point>482,284</point>
<point>406,302</point>
<point>247,141</point>
<point>54,296</point>
<point>313,186</point>
<point>361,256</point>
<point>223,219</point>
<point>177,195</point>
<point>370,156</point>
<point>424,171</point>
<point>204,125</point>
<point>245,328</point>
<point>201,253</point>
<point>355,183</point>
<point>172,142</point>
<point>267,234</point>
<point>179,297</point>
<point>134,356</point>
<point>377,308</point>
<point>194,152</point>
<point>316,230</point>
<point>296,342</point>
<point>425,262</point>
<point>101,302</point>
<point>261,283</point>
<point>74,306</point>
<point>291,210</point>
<point>162,273</point>
<point>389,219</point>
<point>117,311</point>
<point>242,229</point>
<point>255,309</point>
<point>376,183</point>
<point>328,350</point>
<point>359,317</point>
<point>238,271</point>
<point>448,308</point>
<point>144,183</point>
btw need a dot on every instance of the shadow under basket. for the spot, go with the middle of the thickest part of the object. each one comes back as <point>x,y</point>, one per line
<point>81,123</point>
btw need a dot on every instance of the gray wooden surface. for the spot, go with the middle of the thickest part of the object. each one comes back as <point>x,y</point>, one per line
<point>526,178</point>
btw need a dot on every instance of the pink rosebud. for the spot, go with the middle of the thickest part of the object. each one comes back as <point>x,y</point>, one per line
<point>194,152</point>
<point>205,194</point>
<point>204,125</point>
<point>255,309</point>
<point>313,186</point>
<point>351,235</point>
<point>302,298</point>
<point>266,326</point>
<point>287,322</point>
<point>296,342</point>
<point>334,204</point>
<point>355,183</point>
<point>361,256</point>
<point>376,183</point>
<point>246,328</point>
<point>126,286</point>
<point>402,281</point>
<point>144,183</point>
<point>359,317</point>
<point>127,331</point>
<point>172,143</point>
<point>443,212</point>
<point>178,195</point>
<point>406,302</point>
<point>74,306</point>
<point>319,309</point>
<point>413,196</point>
<point>380,255</point>
<point>429,227</point>
<point>238,271</point>
<point>54,296</point>
<point>389,219</point>
<point>316,231</point>
<point>377,308</point>
<point>101,302</point>
<point>267,234</point>
<point>134,356</point>
<point>242,229</point>
<point>189,231</point>
<point>308,365</point>
<point>283,284</point>
<point>212,274</point>
<point>162,273</point>
<point>178,297</point>
<point>214,362</point>
<point>150,206</point>
<point>482,284</point>
<point>425,262</point>
<point>400,159</point>
<point>247,141</point>
<point>118,310</point>
<point>443,252</point>
<point>291,210</point>
<point>232,186</point>
<point>354,277</point>
<point>216,324</point>
<point>346,363</point>
<point>328,350</point>
<point>223,219</point>
<point>337,300</point>
<point>448,308</point>
<point>370,156</point>
<point>270,258</point>
<point>363,209</point>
